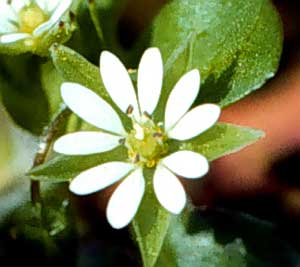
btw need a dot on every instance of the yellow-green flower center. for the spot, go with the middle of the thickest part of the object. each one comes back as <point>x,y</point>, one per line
<point>31,17</point>
<point>146,144</point>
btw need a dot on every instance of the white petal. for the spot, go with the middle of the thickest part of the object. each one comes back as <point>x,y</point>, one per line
<point>13,37</point>
<point>62,7</point>
<point>181,98</point>
<point>92,108</point>
<point>17,5</point>
<point>97,178</point>
<point>125,200</point>
<point>59,11</point>
<point>7,27</point>
<point>43,28</point>
<point>48,6</point>
<point>43,4</point>
<point>150,76</point>
<point>118,83</point>
<point>169,191</point>
<point>7,14</point>
<point>195,122</point>
<point>188,164</point>
<point>84,143</point>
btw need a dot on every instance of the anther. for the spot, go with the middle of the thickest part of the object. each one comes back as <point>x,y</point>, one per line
<point>61,24</point>
<point>136,158</point>
<point>122,141</point>
<point>129,110</point>
<point>157,135</point>
<point>147,115</point>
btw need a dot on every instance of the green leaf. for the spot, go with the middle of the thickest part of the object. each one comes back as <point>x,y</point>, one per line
<point>75,68</point>
<point>63,168</point>
<point>22,93</point>
<point>150,224</point>
<point>236,45</point>
<point>183,247</point>
<point>51,81</point>
<point>220,140</point>
<point>223,238</point>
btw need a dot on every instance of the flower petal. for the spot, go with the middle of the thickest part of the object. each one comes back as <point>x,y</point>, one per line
<point>181,98</point>
<point>43,28</point>
<point>97,178</point>
<point>168,189</point>
<point>48,6</point>
<point>17,5</point>
<point>7,27</point>
<point>150,75</point>
<point>13,37</point>
<point>62,7</point>
<point>7,15</point>
<point>84,143</point>
<point>125,200</point>
<point>58,12</point>
<point>118,83</point>
<point>92,108</point>
<point>188,164</point>
<point>195,122</point>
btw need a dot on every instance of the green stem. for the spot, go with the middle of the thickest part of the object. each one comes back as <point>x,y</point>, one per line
<point>96,22</point>
<point>50,133</point>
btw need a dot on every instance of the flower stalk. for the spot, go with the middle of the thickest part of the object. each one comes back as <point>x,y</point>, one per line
<point>50,134</point>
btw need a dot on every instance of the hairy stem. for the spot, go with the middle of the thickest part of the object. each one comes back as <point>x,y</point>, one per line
<point>51,132</point>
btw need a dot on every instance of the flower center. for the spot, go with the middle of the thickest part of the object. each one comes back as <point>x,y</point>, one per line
<point>31,17</point>
<point>146,143</point>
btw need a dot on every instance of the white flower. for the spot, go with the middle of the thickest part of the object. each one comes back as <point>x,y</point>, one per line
<point>29,19</point>
<point>147,142</point>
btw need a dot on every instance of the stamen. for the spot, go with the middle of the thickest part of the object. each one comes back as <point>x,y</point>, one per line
<point>147,115</point>
<point>122,141</point>
<point>136,158</point>
<point>129,110</point>
<point>157,135</point>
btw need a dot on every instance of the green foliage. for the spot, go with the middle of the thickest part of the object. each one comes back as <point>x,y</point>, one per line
<point>220,140</point>
<point>235,44</point>
<point>199,248</point>
<point>20,88</point>
<point>63,168</point>
<point>150,225</point>
<point>152,221</point>
<point>75,68</point>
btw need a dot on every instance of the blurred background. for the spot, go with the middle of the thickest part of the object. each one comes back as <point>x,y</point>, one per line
<point>262,180</point>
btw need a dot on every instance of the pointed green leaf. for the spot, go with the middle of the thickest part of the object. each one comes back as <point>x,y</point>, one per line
<point>236,45</point>
<point>220,140</point>
<point>63,168</point>
<point>150,224</point>
<point>75,68</point>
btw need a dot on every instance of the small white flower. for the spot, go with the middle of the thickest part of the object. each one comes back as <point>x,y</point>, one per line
<point>147,142</point>
<point>29,19</point>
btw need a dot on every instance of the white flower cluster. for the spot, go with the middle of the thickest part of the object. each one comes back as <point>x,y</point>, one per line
<point>147,141</point>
